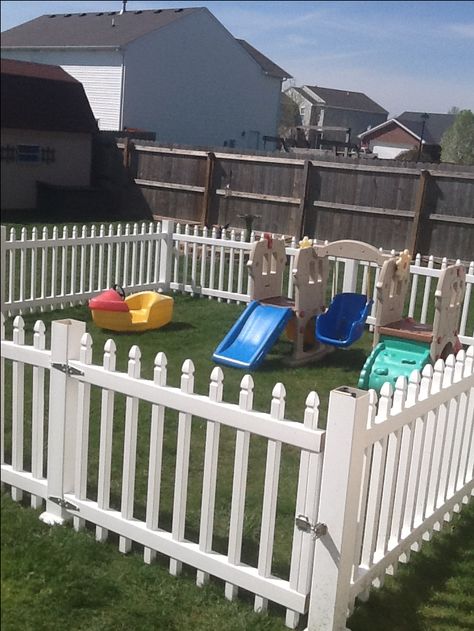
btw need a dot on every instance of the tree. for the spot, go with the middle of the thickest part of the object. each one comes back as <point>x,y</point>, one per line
<point>454,110</point>
<point>457,143</point>
<point>289,114</point>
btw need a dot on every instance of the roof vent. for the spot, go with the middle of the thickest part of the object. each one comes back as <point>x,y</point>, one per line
<point>158,11</point>
<point>67,15</point>
<point>112,13</point>
<point>138,12</point>
<point>53,15</point>
<point>178,10</point>
<point>81,15</point>
<point>99,14</point>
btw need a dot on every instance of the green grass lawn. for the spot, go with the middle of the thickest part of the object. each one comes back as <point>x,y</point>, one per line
<point>56,578</point>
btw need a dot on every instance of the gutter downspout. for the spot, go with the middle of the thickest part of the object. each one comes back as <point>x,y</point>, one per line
<point>122,93</point>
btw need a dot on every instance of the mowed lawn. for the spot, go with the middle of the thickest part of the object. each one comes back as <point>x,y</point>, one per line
<point>55,578</point>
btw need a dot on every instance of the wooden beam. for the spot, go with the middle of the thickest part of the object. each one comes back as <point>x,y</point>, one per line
<point>418,212</point>
<point>170,186</point>
<point>304,197</point>
<point>208,189</point>
<point>467,221</point>
<point>224,192</point>
<point>369,210</point>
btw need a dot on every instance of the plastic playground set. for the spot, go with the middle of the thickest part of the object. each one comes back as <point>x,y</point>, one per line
<point>400,344</point>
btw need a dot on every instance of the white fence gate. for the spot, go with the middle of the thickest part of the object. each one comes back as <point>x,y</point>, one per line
<point>371,488</point>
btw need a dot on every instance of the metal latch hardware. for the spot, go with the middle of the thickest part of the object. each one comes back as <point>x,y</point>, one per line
<point>68,370</point>
<point>63,503</point>
<point>316,530</point>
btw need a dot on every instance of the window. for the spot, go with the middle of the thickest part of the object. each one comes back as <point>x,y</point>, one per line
<point>28,153</point>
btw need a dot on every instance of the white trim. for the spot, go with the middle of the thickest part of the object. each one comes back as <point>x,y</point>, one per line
<point>392,120</point>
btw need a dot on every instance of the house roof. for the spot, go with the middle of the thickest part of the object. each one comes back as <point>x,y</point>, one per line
<point>267,64</point>
<point>305,95</point>
<point>108,29</point>
<point>43,97</point>
<point>435,126</point>
<point>345,99</point>
<point>99,29</point>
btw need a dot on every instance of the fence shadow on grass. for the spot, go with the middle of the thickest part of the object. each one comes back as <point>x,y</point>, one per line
<point>398,605</point>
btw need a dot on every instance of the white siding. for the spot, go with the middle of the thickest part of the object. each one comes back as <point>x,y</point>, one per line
<point>100,72</point>
<point>192,83</point>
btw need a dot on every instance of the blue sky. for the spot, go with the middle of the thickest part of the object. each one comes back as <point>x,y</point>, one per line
<point>415,56</point>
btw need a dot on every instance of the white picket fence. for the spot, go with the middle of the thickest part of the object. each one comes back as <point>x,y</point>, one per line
<point>52,271</point>
<point>371,488</point>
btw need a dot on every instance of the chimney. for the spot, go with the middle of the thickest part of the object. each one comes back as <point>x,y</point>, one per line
<point>124,7</point>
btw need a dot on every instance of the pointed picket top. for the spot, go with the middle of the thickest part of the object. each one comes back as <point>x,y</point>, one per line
<point>45,233</point>
<point>119,230</point>
<point>196,230</point>
<point>84,232</point>
<point>134,357</point>
<point>143,228</point>
<point>23,234</point>
<point>205,232</point>
<point>34,233</point>
<point>438,372</point>
<point>448,371</point>
<point>426,379</point>
<point>413,392</point>
<point>151,228</point>
<point>110,355</point>
<point>232,235</point>
<point>277,408</point>
<point>12,234</point>
<point>102,230</point>
<point>187,376</point>
<point>55,232</point>
<point>418,260</point>
<point>216,385</point>
<point>373,398</point>
<point>385,403</point>
<point>186,229</point>
<point>93,231</point>
<point>178,228</point>
<point>444,263</point>
<point>65,232</point>
<point>18,330</point>
<point>469,365</point>
<point>311,412</point>
<point>160,371</point>
<point>459,366</point>
<point>400,394</point>
<point>74,232</point>
<point>85,354</point>
<point>246,392</point>
<point>39,335</point>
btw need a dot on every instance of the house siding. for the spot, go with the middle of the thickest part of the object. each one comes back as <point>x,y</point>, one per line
<point>71,166</point>
<point>194,84</point>
<point>100,72</point>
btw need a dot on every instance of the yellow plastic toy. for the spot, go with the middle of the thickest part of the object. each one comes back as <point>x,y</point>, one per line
<point>135,313</point>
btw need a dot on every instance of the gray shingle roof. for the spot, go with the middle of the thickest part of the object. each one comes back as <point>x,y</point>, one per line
<point>435,125</point>
<point>267,64</point>
<point>90,29</point>
<point>346,99</point>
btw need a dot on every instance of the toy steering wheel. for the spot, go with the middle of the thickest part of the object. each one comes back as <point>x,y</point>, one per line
<point>120,290</point>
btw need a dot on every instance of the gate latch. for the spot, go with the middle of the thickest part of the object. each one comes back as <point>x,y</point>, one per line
<point>68,370</point>
<point>317,530</point>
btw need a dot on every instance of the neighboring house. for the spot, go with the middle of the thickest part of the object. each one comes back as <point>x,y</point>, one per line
<point>408,131</point>
<point>326,108</point>
<point>176,72</point>
<point>47,127</point>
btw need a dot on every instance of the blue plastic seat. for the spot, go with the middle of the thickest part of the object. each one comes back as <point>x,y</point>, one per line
<point>343,323</point>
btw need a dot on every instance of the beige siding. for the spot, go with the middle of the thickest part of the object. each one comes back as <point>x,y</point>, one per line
<point>72,165</point>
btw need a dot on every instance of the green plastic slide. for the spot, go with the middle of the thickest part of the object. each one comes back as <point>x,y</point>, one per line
<point>391,358</point>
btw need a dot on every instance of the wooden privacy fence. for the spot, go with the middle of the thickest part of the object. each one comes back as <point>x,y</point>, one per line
<point>425,208</point>
<point>44,270</point>
<point>371,488</point>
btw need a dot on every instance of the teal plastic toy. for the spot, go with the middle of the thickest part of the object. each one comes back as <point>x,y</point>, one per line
<point>391,358</point>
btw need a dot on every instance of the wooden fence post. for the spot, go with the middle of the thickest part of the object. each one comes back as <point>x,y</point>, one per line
<point>338,509</point>
<point>418,210</point>
<point>209,188</point>
<point>304,197</point>
<point>166,254</point>
<point>65,345</point>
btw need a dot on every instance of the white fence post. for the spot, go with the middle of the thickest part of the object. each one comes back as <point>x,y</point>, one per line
<point>349,283</point>
<point>3,255</point>
<point>338,509</point>
<point>166,254</point>
<point>65,345</point>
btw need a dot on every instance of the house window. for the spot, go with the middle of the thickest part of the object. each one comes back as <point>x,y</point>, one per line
<point>28,153</point>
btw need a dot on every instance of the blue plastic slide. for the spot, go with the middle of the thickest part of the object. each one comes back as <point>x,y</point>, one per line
<point>343,323</point>
<point>252,336</point>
